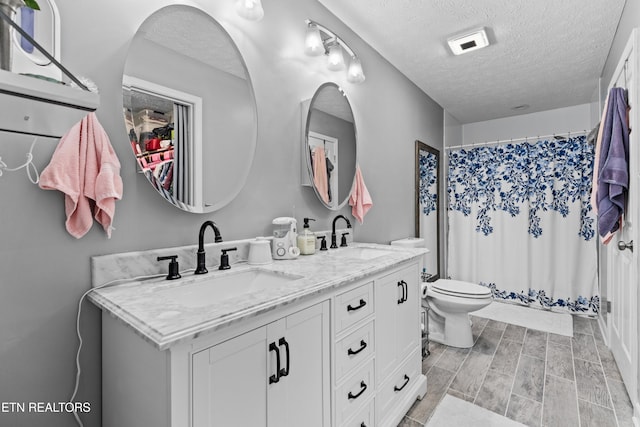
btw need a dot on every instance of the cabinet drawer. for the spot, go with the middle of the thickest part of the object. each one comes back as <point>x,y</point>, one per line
<point>353,306</point>
<point>353,350</point>
<point>395,387</point>
<point>352,394</point>
<point>365,417</point>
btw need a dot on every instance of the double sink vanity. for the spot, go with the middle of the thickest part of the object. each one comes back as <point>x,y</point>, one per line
<point>331,339</point>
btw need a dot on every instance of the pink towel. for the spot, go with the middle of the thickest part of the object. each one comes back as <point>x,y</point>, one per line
<point>320,173</point>
<point>85,168</point>
<point>360,200</point>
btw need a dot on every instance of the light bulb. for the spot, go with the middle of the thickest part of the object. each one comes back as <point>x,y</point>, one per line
<point>355,74</point>
<point>250,9</point>
<point>313,45</point>
<point>335,62</point>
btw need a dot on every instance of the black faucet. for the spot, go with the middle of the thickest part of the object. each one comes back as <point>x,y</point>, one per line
<point>201,269</point>
<point>334,245</point>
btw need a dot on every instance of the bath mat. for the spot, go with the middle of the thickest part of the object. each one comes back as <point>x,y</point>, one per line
<point>452,411</point>
<point>532,318</point>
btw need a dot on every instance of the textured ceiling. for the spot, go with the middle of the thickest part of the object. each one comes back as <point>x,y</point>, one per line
<point>543,53</point>
<point>193,33</point>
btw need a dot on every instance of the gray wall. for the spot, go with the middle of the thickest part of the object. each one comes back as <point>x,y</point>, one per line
<point>45,271</point>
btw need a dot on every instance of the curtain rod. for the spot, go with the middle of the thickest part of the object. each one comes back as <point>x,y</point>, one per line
<point>505,141</point>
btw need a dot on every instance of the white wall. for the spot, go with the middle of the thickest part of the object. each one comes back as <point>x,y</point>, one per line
<point>557,121</point>
<point>45,271</point>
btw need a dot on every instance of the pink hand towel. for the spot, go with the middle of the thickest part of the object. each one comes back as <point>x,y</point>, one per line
<point>85,168</point>
<point>360,200</point>
<point>320,173</point>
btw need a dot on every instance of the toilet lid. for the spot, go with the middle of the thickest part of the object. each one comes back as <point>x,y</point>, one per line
<point>461,289</point>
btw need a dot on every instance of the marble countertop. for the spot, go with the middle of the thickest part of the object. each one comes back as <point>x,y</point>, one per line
<point>151,309</point>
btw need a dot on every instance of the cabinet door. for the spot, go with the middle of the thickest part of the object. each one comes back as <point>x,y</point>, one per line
<point>276,375</point>
<point>302,395</point>
<point>229,382</point>
<point>408,318</point>
<point>397,321</point>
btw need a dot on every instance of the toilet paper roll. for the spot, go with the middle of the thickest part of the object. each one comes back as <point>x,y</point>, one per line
<point>423,289</point>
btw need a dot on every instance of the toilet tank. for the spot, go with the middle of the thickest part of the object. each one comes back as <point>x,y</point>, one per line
<point>412,242</point>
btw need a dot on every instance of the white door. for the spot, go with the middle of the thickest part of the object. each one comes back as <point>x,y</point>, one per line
<point>622,259</point>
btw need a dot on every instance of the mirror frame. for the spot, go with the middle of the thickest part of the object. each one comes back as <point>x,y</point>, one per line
<point>198,136</point>
<point>306,146</point>
<point>421,146</point>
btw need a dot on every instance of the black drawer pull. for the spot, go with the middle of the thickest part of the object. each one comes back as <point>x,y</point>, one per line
<point>285,371</point>
<point>362,390</point>
<point>405,291</point>
<point>275,377</point>
<point>362,424</point>
<point>363,345</point>
<point>406,381</point>
<point>362,304</point>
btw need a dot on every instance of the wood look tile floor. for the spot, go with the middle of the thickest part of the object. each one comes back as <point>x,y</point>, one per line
<point>539,379</point>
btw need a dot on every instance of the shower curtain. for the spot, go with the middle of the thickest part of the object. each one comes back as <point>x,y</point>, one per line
<point>520,222</point>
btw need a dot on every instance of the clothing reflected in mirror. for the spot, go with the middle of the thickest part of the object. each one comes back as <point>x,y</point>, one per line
<point>161,130</point>
<point>330,146</point>
<point>323,154</point>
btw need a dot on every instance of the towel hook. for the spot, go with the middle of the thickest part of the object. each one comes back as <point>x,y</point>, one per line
<point>31,168</point>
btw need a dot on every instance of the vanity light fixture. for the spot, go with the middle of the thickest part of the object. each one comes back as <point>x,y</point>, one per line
<point>335,60</point>
<point>250,9</point>
<point>321,41</point>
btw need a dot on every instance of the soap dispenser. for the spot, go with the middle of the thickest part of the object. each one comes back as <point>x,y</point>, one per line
<point>307,239</point>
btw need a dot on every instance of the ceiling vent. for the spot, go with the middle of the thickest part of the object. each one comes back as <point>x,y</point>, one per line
<point>468,42</point>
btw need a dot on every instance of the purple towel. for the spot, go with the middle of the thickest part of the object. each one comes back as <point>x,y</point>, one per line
<point>613,174</point>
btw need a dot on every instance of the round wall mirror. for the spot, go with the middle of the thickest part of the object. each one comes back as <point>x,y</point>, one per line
<point>330,147</point>
<point>189,109</point>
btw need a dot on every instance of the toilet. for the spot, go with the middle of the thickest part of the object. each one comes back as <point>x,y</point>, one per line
<point>448,304</point>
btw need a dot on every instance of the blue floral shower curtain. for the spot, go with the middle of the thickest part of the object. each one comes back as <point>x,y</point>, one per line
<point>520,222</point>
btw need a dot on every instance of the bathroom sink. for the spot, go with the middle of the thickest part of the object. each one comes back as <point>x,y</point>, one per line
<point>362,253</point>
<point>224,286</point>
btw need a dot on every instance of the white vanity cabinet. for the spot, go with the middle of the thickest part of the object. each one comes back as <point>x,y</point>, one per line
<point>398,356</point>
<point>345,355</point>
<point>275,375</point>
<point>377,359</point>
<point>269,372</point>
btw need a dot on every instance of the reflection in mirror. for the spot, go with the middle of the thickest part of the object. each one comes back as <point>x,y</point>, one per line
<point>189,109</point>
<point>427,204</point>
<point>330,146</point>
<point>163,125</point>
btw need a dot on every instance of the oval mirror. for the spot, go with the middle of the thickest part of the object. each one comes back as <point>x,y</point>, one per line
<point>189,109</point>
<point>330,147</point>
